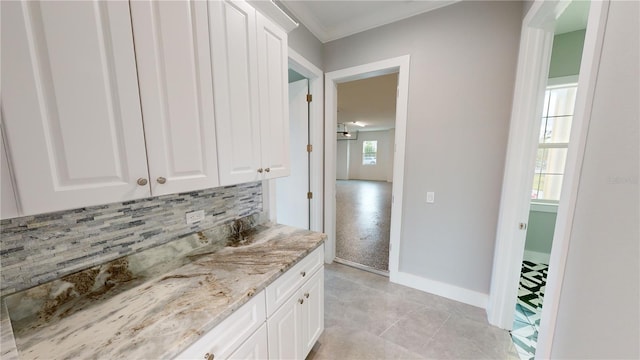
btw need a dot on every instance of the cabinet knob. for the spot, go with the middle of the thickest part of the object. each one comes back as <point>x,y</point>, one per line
<point>208,356</point>
<point>161,180</point>
<point>303,273</point>
<point>301,301</point>
<point>306,295</point>
<point>142,181</point>
<point>260,170</point>
<point>267,170</point>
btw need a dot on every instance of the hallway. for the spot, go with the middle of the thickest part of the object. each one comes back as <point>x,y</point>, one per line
<point>363,216</point>
<point>367,317</point>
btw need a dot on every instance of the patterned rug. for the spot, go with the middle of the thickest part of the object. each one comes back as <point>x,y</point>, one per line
<point>526,324</point>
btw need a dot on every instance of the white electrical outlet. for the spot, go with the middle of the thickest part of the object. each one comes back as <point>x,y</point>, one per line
<point>194,216</point>
<point>431,197</point>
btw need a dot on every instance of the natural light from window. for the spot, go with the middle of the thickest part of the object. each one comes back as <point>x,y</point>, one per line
<point>369,152</point>
<point>553,143</point>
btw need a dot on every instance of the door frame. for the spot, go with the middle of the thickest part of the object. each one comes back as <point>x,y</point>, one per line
<point>531,80</point>
<point>400,65</point>
<point>316,84</point>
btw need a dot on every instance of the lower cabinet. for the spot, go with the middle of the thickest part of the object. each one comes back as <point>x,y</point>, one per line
<point>282,322</point>
<point>255,347</point>
<point>229,336</point>
<point>296,326</point>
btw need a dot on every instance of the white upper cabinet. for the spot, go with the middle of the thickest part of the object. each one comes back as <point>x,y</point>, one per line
<point>274,98</point>
<point>109,101</point>
<point>235,75</point>
<point>250,75</point>
<point>174,70</point>
<point>70,104</point>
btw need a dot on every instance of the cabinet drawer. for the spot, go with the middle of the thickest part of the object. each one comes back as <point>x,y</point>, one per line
<point>281,289</point>
<point>255,347</point>
<point>225,338</point>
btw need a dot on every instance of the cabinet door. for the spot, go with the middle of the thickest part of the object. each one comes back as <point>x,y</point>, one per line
<point>313,311</point>
<point>176,89</point>
<point>235,77</point>
<point>70,104</point>
<point>285,331</point>
<point>223,340</point>
<point>254,348</point>
<point>274,90</point>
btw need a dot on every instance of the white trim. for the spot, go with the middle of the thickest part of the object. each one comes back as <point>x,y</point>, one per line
<point>536,257</point>
<point>589,66</point>
<point>533,63</point>
<point>448,291</point>
<point>275,14</point>
<point>533,67</point>
<point>400,65</point>
<point>361,267</point>
<point>541,207</point>
<point>316,85</point>
<point>562,80</point>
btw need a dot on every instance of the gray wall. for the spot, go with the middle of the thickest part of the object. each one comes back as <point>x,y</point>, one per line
<point>566,54</point>
<point>599,314</point>
<point>463,62</point>
<point>306,44</point>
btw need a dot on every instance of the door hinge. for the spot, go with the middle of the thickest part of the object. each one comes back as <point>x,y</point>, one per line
<point>309,97</point>
<point>309,195</point>
<point>309,148</point>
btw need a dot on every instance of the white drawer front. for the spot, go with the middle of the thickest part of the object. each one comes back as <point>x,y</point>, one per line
<point>231,333</point>
<point>281,289</point>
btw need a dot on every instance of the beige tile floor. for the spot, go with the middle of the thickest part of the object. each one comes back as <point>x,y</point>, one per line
<point>367,317</point>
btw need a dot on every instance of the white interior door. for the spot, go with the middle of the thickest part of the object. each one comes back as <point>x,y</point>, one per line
<point>292,205</point>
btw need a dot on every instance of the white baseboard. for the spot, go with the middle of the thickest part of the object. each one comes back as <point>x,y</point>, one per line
<point>537,257</point>
<point>448,291</point>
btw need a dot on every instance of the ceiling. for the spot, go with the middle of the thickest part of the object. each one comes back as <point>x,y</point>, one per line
<point>332,20</point>
<point>370,101</point>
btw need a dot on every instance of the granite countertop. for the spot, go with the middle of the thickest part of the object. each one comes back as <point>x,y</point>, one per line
<point>160,314</point>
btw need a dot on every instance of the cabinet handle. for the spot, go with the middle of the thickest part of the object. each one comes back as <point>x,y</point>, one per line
<point>260,170</point>
<point>161,180</point>
<point>303,273</point>
<point>267,170</point>
<point>142,181</point>
<point>306,295</point>
<point>301,301</point>
<point>208,356</point>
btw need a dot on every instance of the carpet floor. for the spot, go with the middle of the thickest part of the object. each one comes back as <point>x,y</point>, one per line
<point>363,219</point>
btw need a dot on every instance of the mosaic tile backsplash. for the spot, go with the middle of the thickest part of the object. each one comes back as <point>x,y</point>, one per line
<point>37,249</point>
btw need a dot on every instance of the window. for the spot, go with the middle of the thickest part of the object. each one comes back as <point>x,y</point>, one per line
<point>553,142</point>
<point>369,152</point>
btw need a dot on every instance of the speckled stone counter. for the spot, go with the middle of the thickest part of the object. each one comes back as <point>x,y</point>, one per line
<point>159,311</point>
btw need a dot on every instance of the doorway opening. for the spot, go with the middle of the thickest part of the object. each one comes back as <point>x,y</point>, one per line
<point>302,69</point>
<point>551,157</point>
<point>293,204</point>
<point>399,65</point>
<point>532,81</point>
<point>365,135</point>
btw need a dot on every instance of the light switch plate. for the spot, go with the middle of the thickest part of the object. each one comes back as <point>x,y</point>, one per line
<point>431,197</point>
<point>194,216</point>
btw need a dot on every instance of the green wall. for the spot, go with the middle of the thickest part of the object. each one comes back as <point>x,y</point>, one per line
<point>540,231</point>
<point>295,76</point>
<point>566,54</point>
